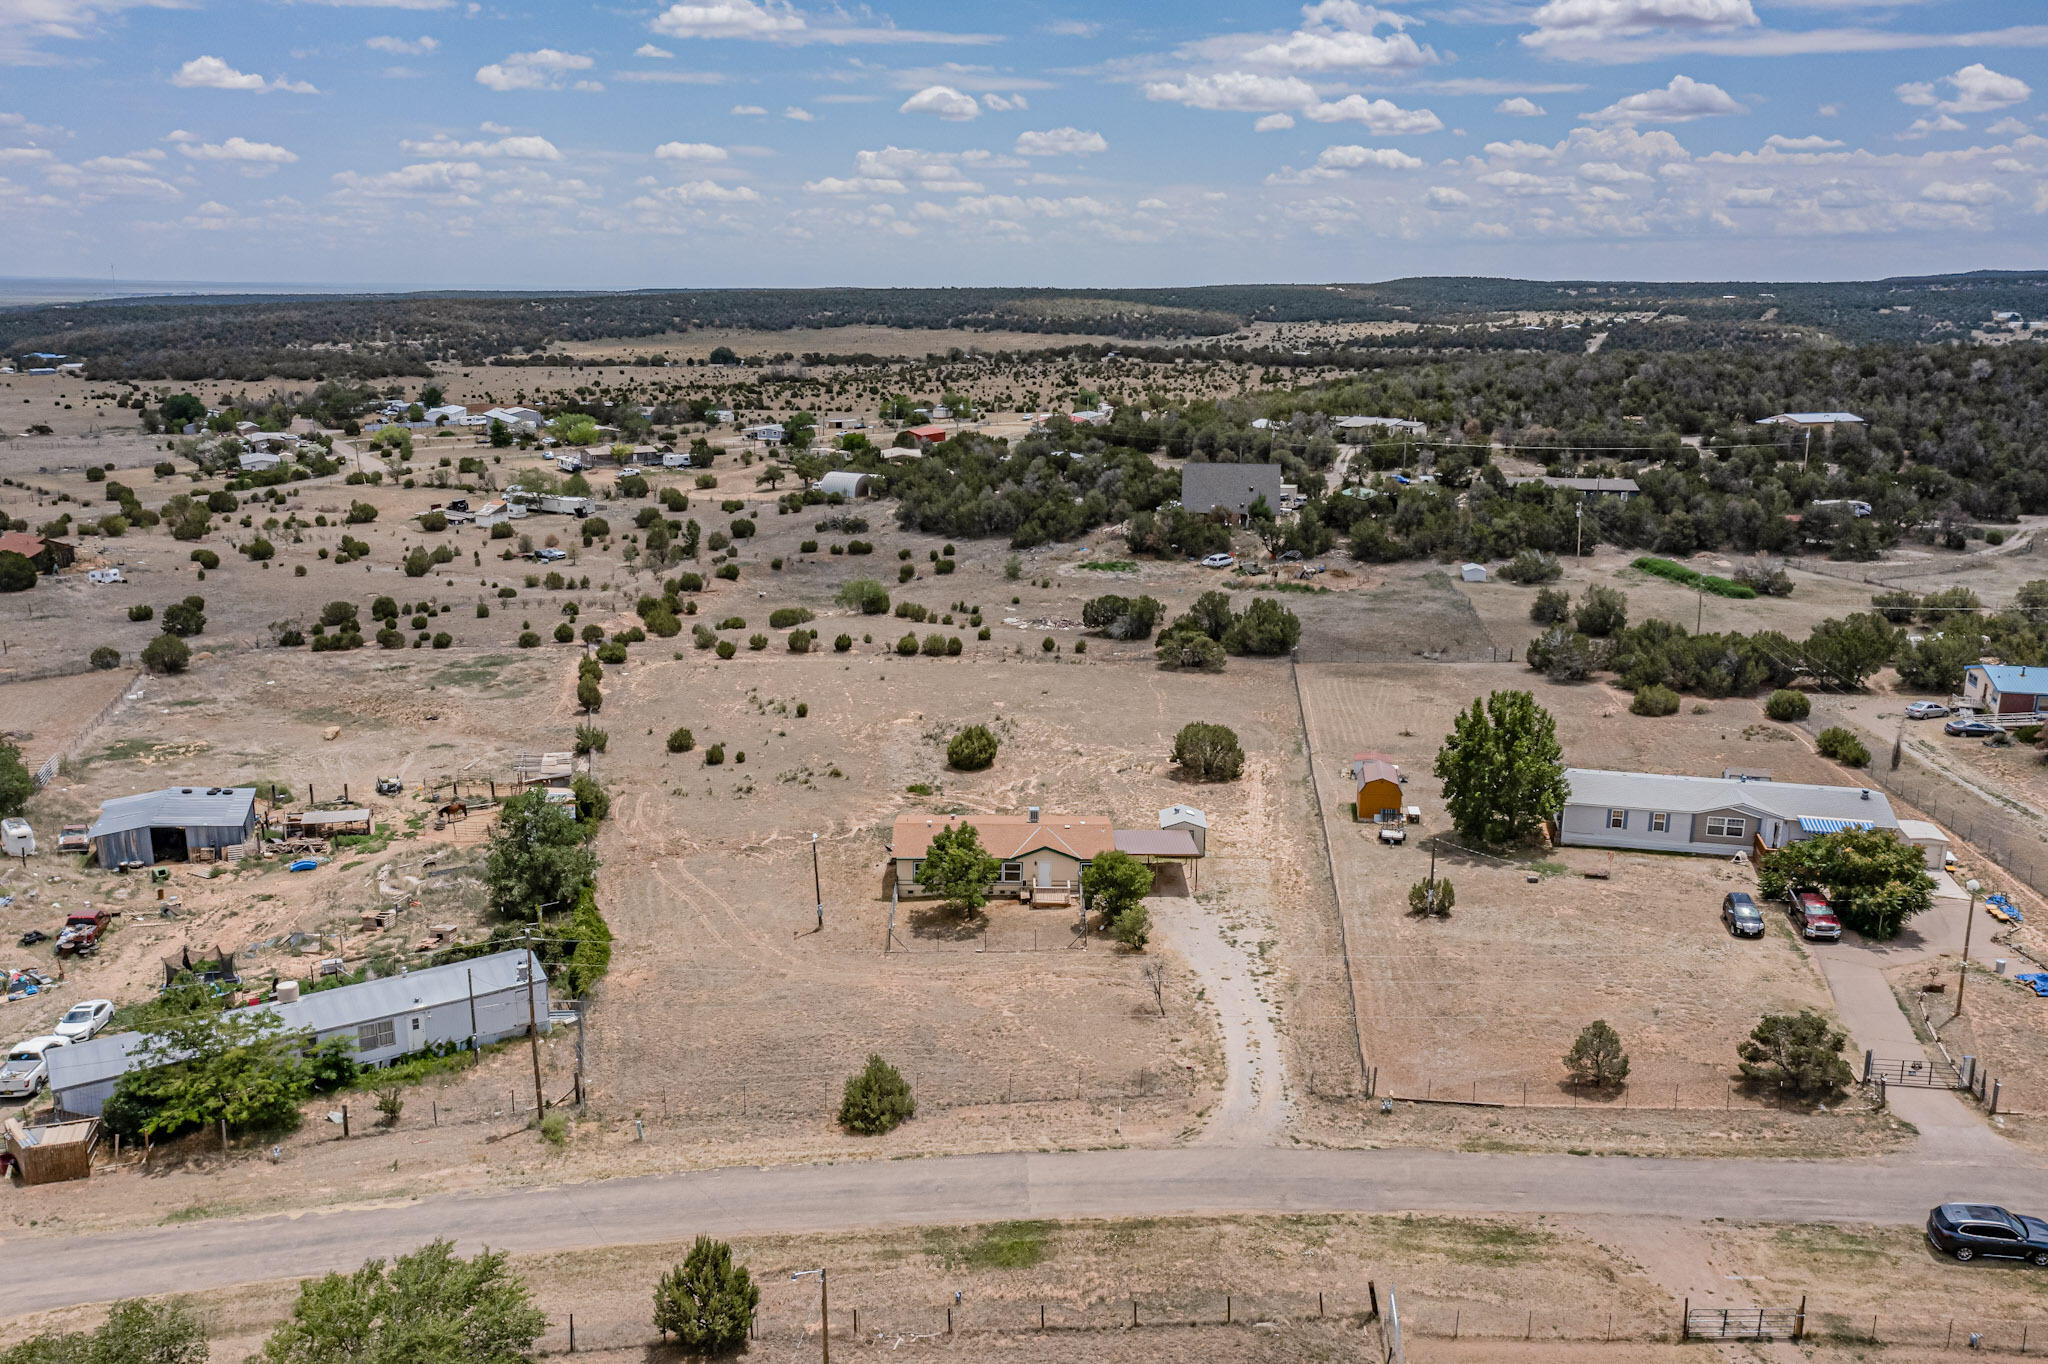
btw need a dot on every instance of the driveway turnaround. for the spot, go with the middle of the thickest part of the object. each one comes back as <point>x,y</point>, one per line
<point>51,1272</point>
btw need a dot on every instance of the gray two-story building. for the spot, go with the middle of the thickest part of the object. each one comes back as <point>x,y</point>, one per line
<point>1716,816</point>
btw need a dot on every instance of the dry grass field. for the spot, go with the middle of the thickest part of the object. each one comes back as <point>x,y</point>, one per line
<point>1487,1001</point>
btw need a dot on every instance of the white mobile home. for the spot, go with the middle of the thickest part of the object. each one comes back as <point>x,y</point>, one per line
<point>1715,816</point>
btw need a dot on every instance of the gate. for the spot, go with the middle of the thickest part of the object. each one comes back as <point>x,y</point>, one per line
<point>1914,1074</point>
<point>1745,1323</point>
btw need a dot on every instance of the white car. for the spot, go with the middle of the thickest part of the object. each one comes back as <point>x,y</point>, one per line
<point>1926,710</point>
<point>83,1019</point>
<point>1219,561</point>
<point>27,1068</point>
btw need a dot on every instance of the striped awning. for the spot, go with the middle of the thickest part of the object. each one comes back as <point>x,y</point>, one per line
<point>1814,825</point>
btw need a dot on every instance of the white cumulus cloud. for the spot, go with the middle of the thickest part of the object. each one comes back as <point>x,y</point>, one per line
<point>211,73</point>
<point>1977,90</point>
<point>1060,142</point>
<point>728,19</point>
<point>427,179</point>
<point>1234,91</point>
<point>403,47</point>
<point>544,69</point>
<point>1586,23</point>
<point>941,101</point>
<point>689,151</point>
<point>1682,101</point>
<point>1343,35</point>
<point>251,158</point>
<point>653,53</point>
<point>1521,106</point>
<point>527,148</point>
<point>1274,123</point>
<point>1356,158</point>
<point>1378,115</point>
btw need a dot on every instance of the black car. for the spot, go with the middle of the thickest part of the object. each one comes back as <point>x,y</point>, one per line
<point>1968,1230</point>
<point>1740,913</point>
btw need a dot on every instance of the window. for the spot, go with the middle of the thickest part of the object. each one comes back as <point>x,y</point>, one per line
<point>1660,822</point>
<point>1726,826</point>
<point>1617,819</point>
<point>1013,873</point>
<point>375,1036</point>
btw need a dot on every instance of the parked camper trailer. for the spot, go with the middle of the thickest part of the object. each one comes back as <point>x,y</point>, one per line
<point>565,506</point>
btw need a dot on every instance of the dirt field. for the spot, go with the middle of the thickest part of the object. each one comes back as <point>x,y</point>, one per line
<point>1485,1002</point>
<point>1526,1290</point>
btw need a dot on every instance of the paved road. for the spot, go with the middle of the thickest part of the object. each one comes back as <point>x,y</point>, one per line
<point>48,1272</point>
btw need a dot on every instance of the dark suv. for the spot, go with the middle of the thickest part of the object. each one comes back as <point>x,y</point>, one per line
<point>1740,914</point>
<point>1968,1230</point>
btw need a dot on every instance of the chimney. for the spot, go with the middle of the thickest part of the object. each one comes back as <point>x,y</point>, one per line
<point>1031,813</point>
<point>1866,793</point>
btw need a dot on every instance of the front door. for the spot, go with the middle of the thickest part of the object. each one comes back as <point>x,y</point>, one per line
<point>1045,872</point>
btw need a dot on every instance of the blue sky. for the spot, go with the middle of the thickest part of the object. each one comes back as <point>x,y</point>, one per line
<point>444,143</point>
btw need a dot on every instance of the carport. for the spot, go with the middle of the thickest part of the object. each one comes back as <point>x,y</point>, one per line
<point>1158,848</point>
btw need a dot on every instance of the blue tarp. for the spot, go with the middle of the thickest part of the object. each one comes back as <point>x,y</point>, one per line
<point>2037,981</point>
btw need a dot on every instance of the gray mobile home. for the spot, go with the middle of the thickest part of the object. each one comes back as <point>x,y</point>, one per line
<point>1715,816</point>
<point>475,1002</point>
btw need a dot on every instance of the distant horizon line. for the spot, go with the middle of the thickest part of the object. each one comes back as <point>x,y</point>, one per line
<point>26,290</point>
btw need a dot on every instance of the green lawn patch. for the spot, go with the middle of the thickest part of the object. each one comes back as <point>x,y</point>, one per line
<point>1679,573</point>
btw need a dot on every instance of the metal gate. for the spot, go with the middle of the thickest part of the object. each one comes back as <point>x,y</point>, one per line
<point>1745,1323</point>
<point>1914,1074</point>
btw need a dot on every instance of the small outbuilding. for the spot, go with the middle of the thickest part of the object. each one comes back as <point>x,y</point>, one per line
<point>1190,820</point>
<point>845,482</point>
<point>176,824</point>
<point>1379,786</point>
<point>1929,839</point>
<point>1473,573</point>
<point>52,1152</point>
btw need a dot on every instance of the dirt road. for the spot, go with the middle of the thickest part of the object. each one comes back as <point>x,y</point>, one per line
<point>56,1272</point>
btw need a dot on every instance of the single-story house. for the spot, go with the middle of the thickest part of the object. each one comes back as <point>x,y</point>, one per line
<point>1048,852</point>
<point>172,824</point>
<point>1716,816</point>
<point>1588,488</point>
<point>771,432</point>
<point>1229,488</point>
<point>1810,421</point>
<point>929,435</point>
<point>516,418</point>
<point>847,482</point>
<point>1187,817</point>
<point>718,414</point>
<point>1379,785</point>
<point>463,1004</point>
<point>258,459</point>
<point>1400,424</point>
<point>845,421</point>
<point>2005,688</point>
<point>45,552</point>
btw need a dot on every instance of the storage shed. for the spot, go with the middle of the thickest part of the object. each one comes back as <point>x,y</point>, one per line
<point>1188,818</point>
<point>172,824</point>
<point>463,1004</point>
<point>1473,573</point>
<point>845,482</point>
<point>54,1151</point>
<point>1929,839</point>
<point>1379,786</point>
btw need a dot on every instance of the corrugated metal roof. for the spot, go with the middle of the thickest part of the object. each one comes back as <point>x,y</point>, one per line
<point>184,807</point>
<point>1205,487</point>
<point>350,1005</point>
<point>2016,678</point>
<point>110,1055</point>
<point>1183,814</point>
<point>1157,843</point>
<point>1784,799</point>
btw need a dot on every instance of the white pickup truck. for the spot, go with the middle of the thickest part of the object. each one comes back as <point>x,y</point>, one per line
<point>27,1068</point>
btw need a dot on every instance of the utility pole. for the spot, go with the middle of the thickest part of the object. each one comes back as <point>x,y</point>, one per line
<point>1962,969</point>
<point>1699,592</point>
<point>540,1102</point>
<point>817,885</point>
<point>1579,520</point>
<point>824,1310</point>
